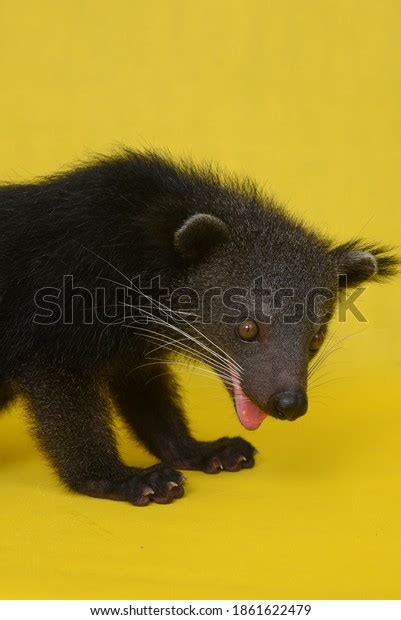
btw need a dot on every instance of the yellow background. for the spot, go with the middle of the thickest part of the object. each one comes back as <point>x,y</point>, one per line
<point>305,97</point>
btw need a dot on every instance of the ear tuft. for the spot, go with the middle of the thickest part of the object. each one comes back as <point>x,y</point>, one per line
<point>358,262</point>
<point>358,266</point>
<point>198,235</point>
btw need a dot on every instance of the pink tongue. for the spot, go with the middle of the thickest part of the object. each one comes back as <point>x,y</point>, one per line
<point>248,413</point>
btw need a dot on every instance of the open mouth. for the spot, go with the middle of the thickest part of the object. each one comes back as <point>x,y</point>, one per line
<point>249,414</point>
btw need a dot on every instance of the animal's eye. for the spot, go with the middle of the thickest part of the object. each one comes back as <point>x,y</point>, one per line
<point>317,341</point>
<point>248,330</point>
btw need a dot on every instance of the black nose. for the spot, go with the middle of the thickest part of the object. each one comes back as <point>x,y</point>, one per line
<point>288,405</point>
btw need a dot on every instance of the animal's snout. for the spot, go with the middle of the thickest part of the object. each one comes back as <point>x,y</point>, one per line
<point>288,405</point>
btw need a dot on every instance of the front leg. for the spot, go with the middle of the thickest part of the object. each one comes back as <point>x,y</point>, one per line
<point>72,424</point>
<point>150,404</point>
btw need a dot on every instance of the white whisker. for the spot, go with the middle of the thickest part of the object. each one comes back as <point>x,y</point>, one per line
<point>172,313</point>
<point>173,327</point>
<point>204,371</point>
<point>172,344</point>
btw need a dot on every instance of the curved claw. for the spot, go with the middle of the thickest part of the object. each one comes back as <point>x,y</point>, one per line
<point>147,491</point>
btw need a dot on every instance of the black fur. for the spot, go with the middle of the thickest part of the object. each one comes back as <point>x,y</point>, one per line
<point>140,214</point>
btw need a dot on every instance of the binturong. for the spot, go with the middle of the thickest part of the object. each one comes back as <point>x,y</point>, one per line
<point>113,272</point>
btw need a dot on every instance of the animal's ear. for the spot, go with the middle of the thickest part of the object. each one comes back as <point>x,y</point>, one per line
<point>198,235</point>
<point>358,262</point>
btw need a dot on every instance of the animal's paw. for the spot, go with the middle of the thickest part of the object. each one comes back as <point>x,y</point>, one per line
<point>227,453</point>
<point>160,484</point>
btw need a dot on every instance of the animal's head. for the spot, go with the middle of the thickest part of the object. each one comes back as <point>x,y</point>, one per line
<point>268,287</point>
